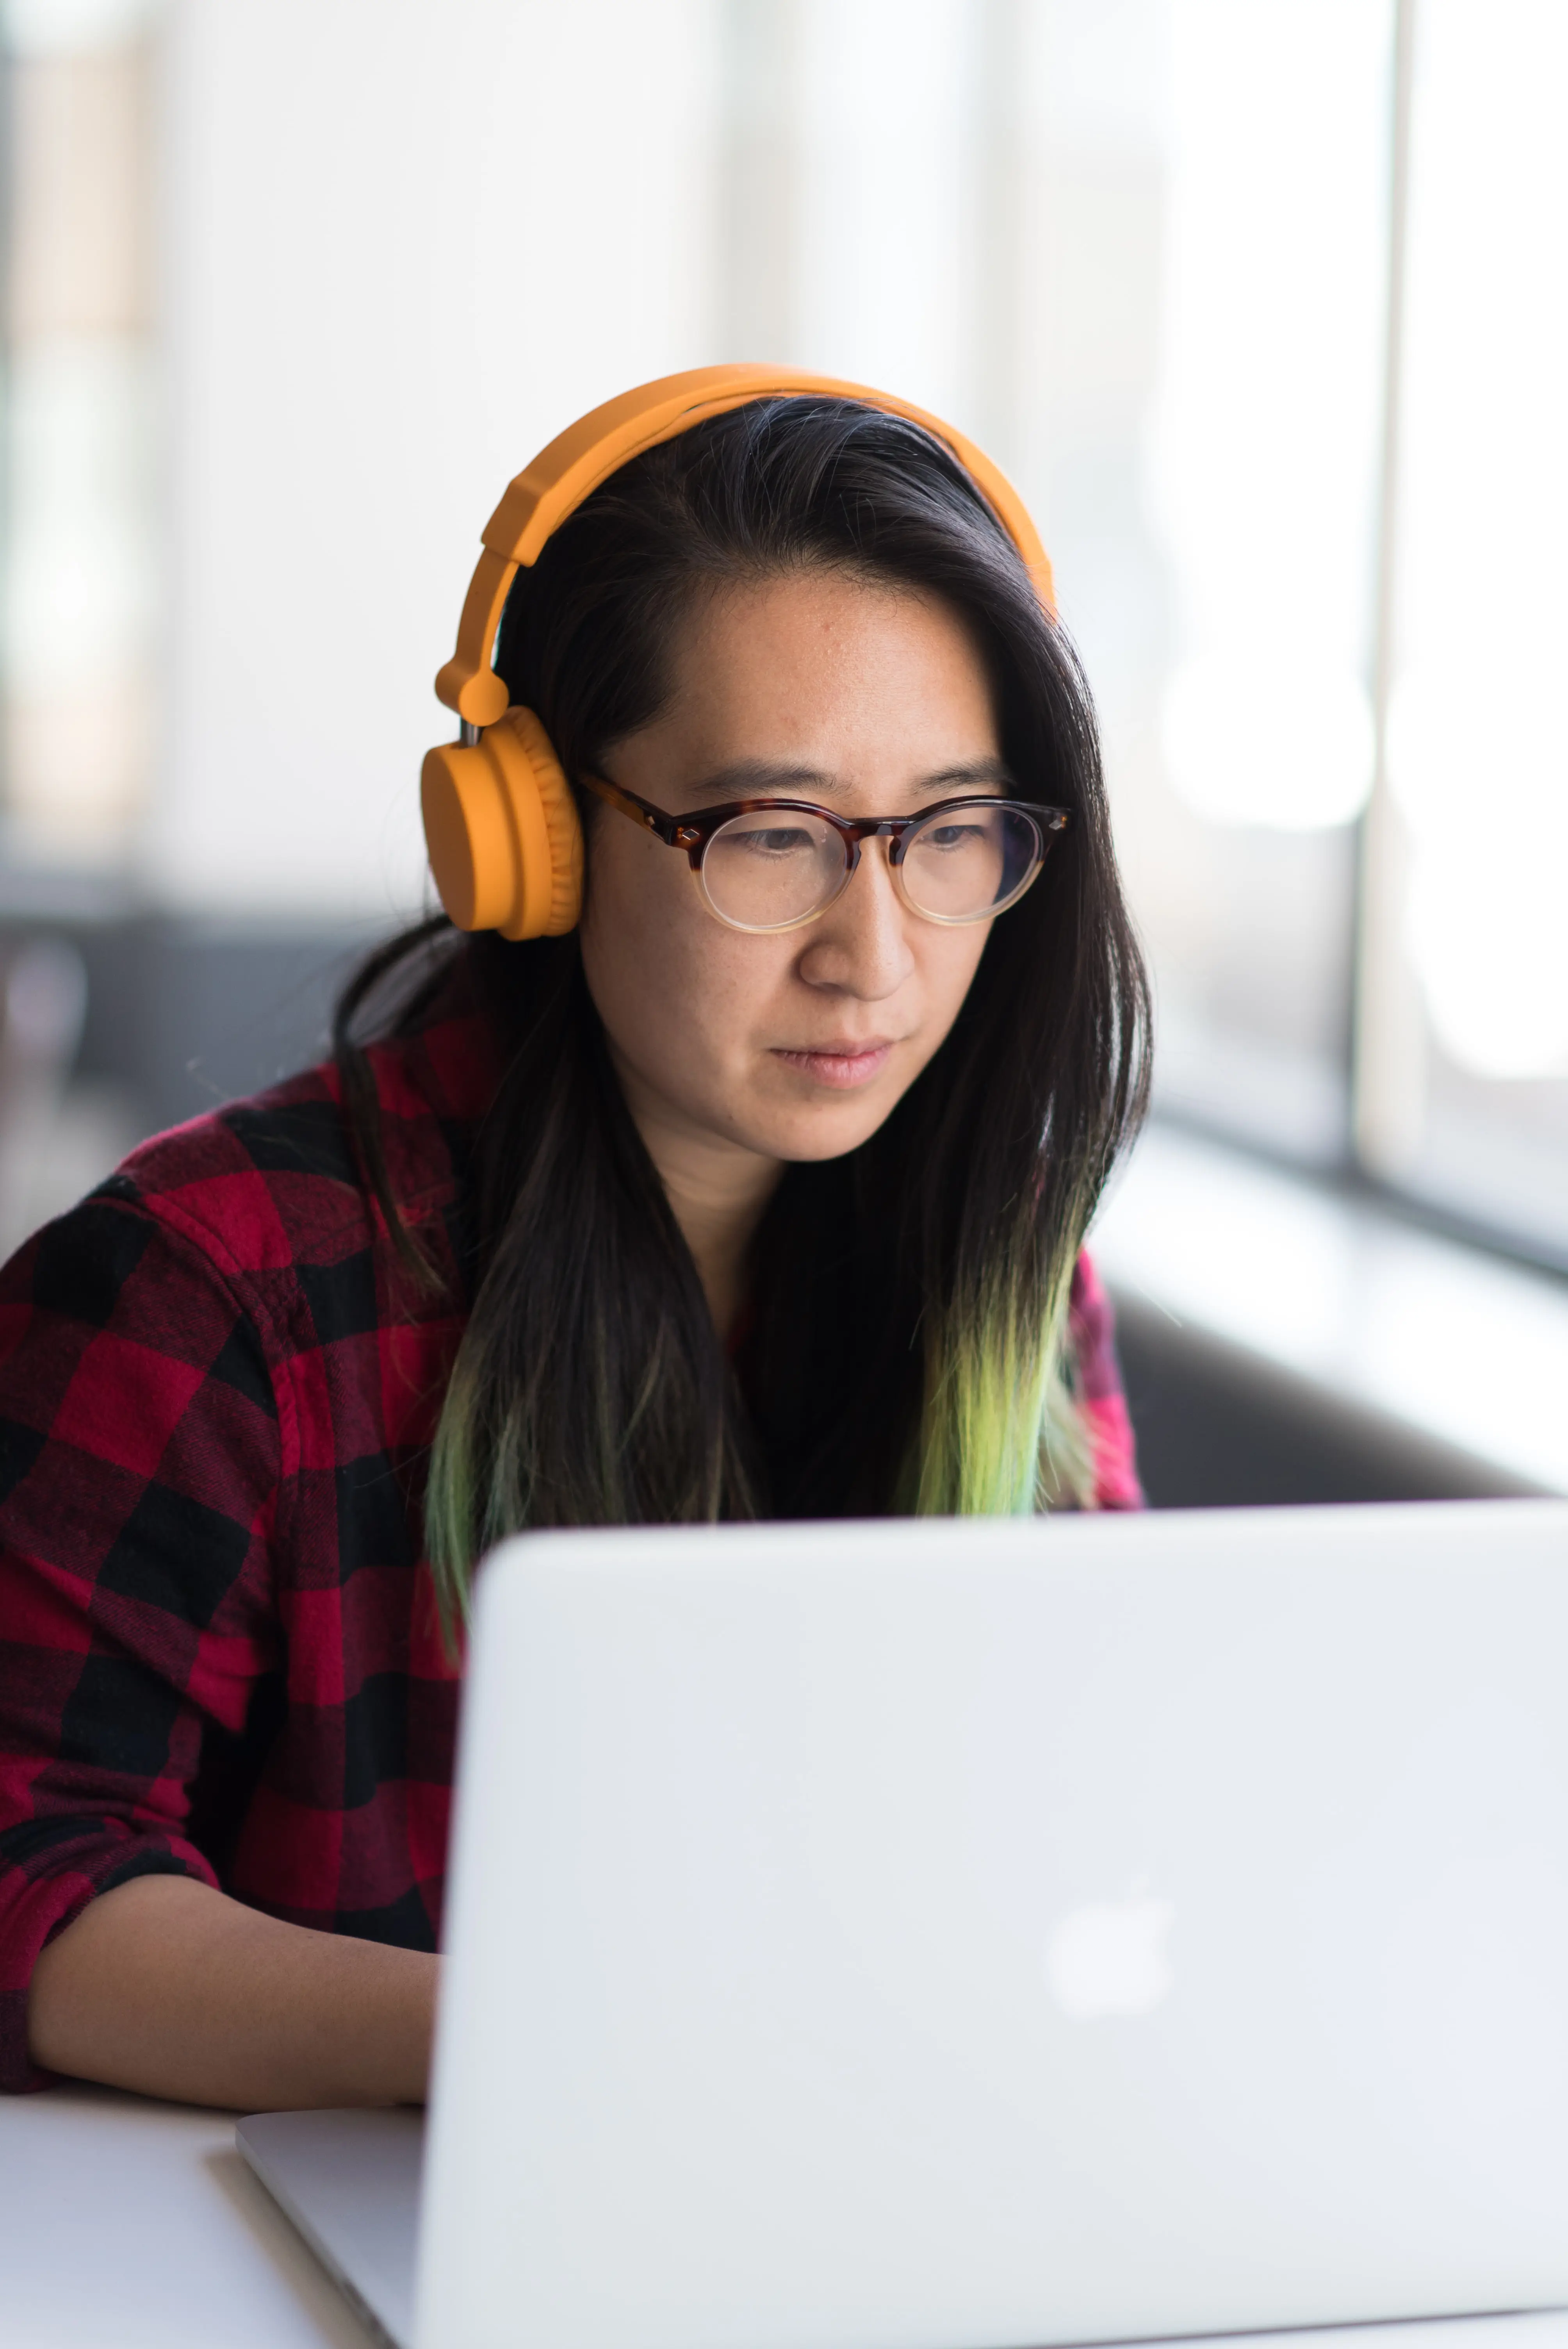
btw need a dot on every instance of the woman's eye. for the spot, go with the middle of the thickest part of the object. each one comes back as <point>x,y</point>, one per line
<point>952,835</point>
<point>778,840</point>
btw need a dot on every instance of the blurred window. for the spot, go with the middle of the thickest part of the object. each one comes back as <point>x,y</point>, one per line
<point>1467,1059</point>
<point>78,613</point>
<point>1212,288</point>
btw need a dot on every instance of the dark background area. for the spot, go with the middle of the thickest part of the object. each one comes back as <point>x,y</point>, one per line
<point>182,1014</point>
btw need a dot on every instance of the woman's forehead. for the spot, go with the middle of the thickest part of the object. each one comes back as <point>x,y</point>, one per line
<point>823,676</point>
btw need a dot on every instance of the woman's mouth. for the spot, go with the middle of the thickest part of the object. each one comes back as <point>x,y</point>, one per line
<point>840,1066</point>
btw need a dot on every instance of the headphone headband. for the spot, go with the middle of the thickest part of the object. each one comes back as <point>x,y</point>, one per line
<point>549,490</point>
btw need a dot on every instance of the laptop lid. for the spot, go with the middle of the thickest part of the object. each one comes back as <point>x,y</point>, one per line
<point>905,1936</point>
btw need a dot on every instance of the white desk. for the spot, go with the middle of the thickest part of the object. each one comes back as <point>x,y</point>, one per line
<point>129,2225</point>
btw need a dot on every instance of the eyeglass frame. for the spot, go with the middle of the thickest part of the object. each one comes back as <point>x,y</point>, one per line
<point>694,831</point>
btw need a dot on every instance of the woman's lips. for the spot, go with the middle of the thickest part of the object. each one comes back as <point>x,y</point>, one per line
<point>840,1066</point>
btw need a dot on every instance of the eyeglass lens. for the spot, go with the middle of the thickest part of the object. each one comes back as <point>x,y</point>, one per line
<point>773,868</point>
<point>970,862</point>
<point>770,870</point>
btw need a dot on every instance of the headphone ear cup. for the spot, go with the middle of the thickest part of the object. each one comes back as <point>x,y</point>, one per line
<point>503,832</point>
<point>563,825</point>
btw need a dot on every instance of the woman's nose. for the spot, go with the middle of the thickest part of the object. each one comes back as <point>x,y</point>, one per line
<point>861,946</point>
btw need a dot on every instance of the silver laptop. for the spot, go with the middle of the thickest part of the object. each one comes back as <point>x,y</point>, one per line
<point>977,1935</point>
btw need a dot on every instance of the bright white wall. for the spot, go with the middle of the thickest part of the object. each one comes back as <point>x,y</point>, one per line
<point>887,218</point>
<point>404,243</point>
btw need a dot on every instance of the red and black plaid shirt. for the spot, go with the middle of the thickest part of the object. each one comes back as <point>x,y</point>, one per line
<point>219,1654</point>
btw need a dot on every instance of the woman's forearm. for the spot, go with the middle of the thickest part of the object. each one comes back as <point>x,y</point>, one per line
<point>169,1987</point>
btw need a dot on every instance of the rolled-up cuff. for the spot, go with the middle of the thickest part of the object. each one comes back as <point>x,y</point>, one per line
<point>37,1902</point>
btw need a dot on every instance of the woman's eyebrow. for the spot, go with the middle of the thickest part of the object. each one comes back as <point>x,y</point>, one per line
<point>989,774</point>
<point>768,779</point>
<point>750,779</point>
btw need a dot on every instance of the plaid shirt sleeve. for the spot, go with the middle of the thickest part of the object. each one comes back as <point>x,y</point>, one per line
<point>138,1476</point>
<point>1098,1377</point>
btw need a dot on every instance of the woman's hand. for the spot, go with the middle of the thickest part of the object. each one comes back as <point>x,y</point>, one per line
<point>171,1989</point>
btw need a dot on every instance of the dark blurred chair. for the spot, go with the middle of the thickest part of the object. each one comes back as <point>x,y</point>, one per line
<point>43,1008</point>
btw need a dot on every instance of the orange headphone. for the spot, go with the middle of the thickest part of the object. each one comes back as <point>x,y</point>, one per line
<point>501,823</point>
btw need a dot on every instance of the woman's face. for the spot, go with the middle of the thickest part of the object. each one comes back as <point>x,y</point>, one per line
<point>793,1045</point>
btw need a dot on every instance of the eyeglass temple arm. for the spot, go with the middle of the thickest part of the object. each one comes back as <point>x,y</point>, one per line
<point>650,818</point>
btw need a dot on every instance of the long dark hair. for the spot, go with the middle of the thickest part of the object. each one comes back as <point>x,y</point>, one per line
<point>905,1338</point>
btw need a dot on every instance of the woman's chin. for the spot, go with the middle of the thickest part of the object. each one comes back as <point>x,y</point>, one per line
<point>826,1128</point>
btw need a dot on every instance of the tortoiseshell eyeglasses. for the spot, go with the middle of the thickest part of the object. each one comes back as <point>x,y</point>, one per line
<point>773,865</point>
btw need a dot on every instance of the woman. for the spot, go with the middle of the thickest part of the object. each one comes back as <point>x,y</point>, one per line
<point>760,1191</point>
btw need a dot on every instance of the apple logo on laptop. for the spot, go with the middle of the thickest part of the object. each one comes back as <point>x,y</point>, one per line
<point>1110,1957</point>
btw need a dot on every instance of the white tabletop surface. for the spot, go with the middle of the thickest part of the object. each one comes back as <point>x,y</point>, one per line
<point>125,2223</point>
